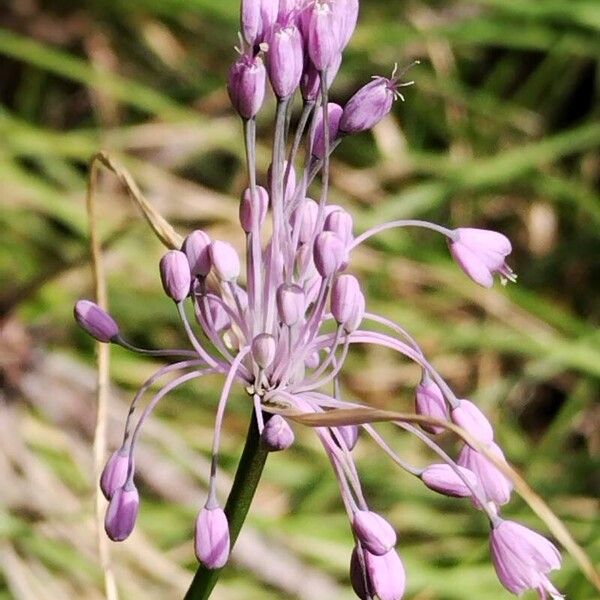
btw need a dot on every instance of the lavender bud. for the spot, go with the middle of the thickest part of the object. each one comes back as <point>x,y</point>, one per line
<point>249,204</point>
<point>357,315</point>
<point>340,222</point>
<point>343,297</point>
<point>349,435</point>
<point>225,261</point>
<point>247,85</point>
<point>114,473</point>
<point>285,60</point>
<point>375,534</point>
<point>95,321</point>
<point>211,539</point>
<point>307,213</point>
<point>196,248</point>
<point>347,16</point>
<point>430,402</point>
<point>290,303</point>
<point>323,41</point>
<point>334,114</point>
<point>385,575</point>
<point>310,83</point>
<point>470,418</point>
<point>264,348</point>
<point>444,479</point>
<point>175,275</point>
<point>250,20</point>
<point>312,361</point>
<point>368,106</point>
<point>329,252</point>
<point>122,512</point>
<point>277,434</point>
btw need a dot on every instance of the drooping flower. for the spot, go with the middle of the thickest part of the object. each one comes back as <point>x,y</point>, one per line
<point>523,558</point>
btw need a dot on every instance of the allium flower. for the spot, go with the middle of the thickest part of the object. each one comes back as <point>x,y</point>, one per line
<point>280,322</point>
<point>522,558</point>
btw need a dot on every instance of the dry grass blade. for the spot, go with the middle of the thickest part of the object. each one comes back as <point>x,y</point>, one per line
<point>357,416</point>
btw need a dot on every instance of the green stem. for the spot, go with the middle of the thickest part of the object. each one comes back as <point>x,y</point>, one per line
<point>244,486</point>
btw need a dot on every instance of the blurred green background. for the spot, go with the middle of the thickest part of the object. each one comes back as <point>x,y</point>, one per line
<point>501,130</point>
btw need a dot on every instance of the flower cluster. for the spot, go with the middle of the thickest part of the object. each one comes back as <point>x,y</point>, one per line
<point>281,322</point>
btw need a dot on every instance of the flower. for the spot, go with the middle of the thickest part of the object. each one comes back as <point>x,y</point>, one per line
<point>280,319</point>
<point>480,253</point>
<point>522,558</point>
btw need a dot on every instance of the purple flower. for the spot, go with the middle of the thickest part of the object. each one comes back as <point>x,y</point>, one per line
<point>522,558</point>
<point>175,275</point>
<point>323,36</point>
<point>95,321</point>
<point>196,247</point>
<point>247,85</point>
<point>285,60</point>
<point>122,512</point>
<point>375,534</point>
<point>211,538</point>
<point>444,479</point>
<point>383,576</point>
<point>480,253</point>
<point>430,402</point>
<point>277,435</point>
<point>470,418</point>
<point>334,114</point>
<point>114,473</point>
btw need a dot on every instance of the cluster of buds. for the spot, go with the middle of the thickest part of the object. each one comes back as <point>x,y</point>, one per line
<point>281,322</point>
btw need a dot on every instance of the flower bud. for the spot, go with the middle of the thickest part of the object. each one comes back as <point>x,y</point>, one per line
<point>357,315</point>
<point>430,402</point>
<point>334,114</point>
<point>444,479</point>
<point>114,473</point>
<point>285,60</point>
<point>375,534</point>
<point>323,41</point>
<point>247,84</point>
<point>385,575</point>
<point>287,11</point>
<point>312,361</point>
<point>251,204</point>
<point>225,260</point>
<point>349,434</point>
<point>368,106</point>
<point>250,20</point>
<point>470,418</point>
<point>196,248</point>
<point>290,303</point>
<point>310,83</point>
<point>122,512</point>
<point>277,434</point>
<point>307,214</point>
<point>95,321</point>
<point>344,293</point>
<point>347,15</point>
<point>175,275</point>
<point>264,348</point>
<point>329,252</point>
<point>340,222</point>
<point>211,538</point>
<point>357,577</point>
<point>495,485</point>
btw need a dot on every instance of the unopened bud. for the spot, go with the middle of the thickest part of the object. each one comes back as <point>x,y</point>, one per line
<point>344,294</point>
<point>196,247</point>
<point>430,402</point>
<point>357,315</point>
<point>211,539</point>
<point>114,473</point>
<point>340,222</point>
<point>175,275</point>
<point>329,252</point>
<point>285,60</point>
<point>253,206</point>
<point>225,260</point>
<point>247,85</point>
<point>323,40</point>
<point>122,512</point>
<point>347,15</point>
<point>444,479</point>
<point>349,434</point>
<point>307,213</point>
<point>277,434</point>
<point>386,576</point>
<point>95,321</point>
<point>312,361</point>
<point>264,348</point>
<point>334,114</point>
<point>368,106</point>
<point>290,303</point>
<point>375,534</point>
<point>470,418</point>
